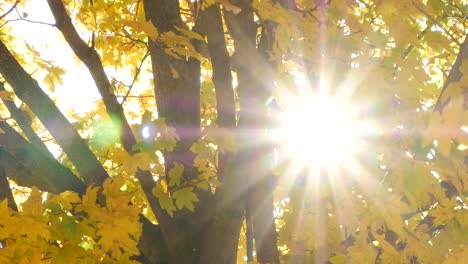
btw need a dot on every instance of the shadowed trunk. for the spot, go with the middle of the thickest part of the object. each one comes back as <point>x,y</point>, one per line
<point>177,90</point>
<point>255,80</point>
<point>5,190</point>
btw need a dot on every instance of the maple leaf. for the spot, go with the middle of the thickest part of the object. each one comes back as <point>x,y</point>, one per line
<point>5,219</point>
<point>54,77</point>
<point>362,253</point>
<point>175,174</point>
<point>185,198</point>
<point>165,201</point>
<point>131,163</point>
<point>144,26</point>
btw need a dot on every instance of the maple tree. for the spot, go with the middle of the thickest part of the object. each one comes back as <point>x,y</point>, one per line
<point>189,156</point>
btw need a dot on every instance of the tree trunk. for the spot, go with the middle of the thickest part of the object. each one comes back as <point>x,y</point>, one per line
<point>177,90</point>
<point>255,83</point>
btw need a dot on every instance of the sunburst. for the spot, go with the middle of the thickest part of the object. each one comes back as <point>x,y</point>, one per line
<point>321,130</point>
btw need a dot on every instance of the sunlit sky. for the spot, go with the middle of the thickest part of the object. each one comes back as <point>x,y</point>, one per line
<point>78,90</point>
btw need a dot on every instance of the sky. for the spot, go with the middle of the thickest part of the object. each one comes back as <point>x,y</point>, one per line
<point>78,91</point>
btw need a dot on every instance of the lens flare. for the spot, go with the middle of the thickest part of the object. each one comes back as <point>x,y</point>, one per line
<point>321,131</point>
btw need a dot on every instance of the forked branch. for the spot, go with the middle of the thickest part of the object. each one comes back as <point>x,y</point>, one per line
<point>90,58</point>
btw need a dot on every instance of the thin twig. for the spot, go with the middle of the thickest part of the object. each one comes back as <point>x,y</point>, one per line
<point>31,21</point>
<point>411,46</point>
<point>436,22</point>
<point>137,73</point>
<point>11,9</point>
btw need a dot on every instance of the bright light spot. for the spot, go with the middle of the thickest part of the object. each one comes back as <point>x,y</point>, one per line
<point>435,174</point>
<point>145,132</point>
<point>431,154</point>
<point>462,147</point>
<point>464,128</point>
<point>322,132</point>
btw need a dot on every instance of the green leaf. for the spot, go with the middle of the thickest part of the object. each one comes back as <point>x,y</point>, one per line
<point>175,174</point>
<point>165,201</point>
<point>185,198</point>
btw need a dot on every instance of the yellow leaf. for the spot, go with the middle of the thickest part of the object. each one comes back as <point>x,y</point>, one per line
<point>6,95</point>
<point>338,259</point>
<point>34,204</point>
<point>89,199</point>
<point>458,256</point>
<point>362,253</point>
<point>443,213</point>
<point>54,77</point>
<point>175,174</point>
<point>230,7</point>
<point>207,3</point>
<point>146,26</point>
<point>131,163</point>
<point>185,198</point>
<point>389,254</point>
<point>445,145</point>
<point>66,199</point>
<point>190,34</point>
<point>165,201</point>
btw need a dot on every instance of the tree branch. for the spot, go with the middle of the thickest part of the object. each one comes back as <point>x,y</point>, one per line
<point>5,190</point>
<point>255,78</point>
<point>28,166</point>
<point>24,123</point>
<point>28,90</point>
<point>10,10</point>
<point>222,77</point>
<point>135,77</point>
<point>90,58</point>
<point>455,75</point>
<point>436,22</point>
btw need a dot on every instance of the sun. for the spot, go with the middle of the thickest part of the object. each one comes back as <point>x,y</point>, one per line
<point>322,131</point>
